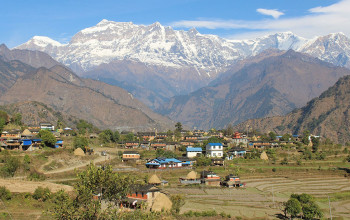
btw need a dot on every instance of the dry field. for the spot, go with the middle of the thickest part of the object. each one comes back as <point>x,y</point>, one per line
<point>262,197</point>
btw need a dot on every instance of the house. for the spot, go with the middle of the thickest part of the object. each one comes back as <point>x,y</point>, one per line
<point>34,130</point>
<point>237,139</point>
<point>130,155</point>
<point>11,135</point>
<point>163,163</point>
<point>217,161</point>
<point>131,144</point>
<point>214,150</point>
<point>193,152</point>
<point>59,143</point>
<point>188,142</point>
<point>191,138</point>
<point>210,178</point>
<point>146,136</point>
<point>26,144</point>
<point>236,152</point>
<point>47,126</point>
<point>187,162</point>
<point>149,196</point>
<point>158,145</point>
<point>231,181</point>
<point>191,178</point>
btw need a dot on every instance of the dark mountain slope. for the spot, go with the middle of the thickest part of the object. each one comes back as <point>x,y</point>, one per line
<point>327,116</point>
<point>272,86</point>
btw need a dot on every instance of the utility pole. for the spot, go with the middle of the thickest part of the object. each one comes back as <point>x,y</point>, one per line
<point>273,198</point>
<point>330,208</point>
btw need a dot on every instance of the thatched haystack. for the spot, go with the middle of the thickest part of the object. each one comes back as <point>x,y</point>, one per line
<point>264,156</point>
<point>154,180</point>
<point>27,133</point>
<point>191,175</point>
<point>161,202</point>
<point>79,152</point>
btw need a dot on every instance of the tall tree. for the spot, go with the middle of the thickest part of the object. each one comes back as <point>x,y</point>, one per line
<point>178,126</point>
<point>48,139</point>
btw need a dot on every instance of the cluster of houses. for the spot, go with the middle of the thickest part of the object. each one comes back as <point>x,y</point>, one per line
<point>26,140</point>
<point>210,178</point>
<point>151,197</point>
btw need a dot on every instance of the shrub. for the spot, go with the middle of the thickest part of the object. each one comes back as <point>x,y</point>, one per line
<point>5,194</point>
<point>11,165</point>
<point>42,194</point>
<point>35,175</point>
<point>274,169</point>
<point>284,161</point>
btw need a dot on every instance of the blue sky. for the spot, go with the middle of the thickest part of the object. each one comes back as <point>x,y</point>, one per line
<point>236,19</point>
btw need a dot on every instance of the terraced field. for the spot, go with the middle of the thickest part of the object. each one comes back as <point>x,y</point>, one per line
<point>263,197</point>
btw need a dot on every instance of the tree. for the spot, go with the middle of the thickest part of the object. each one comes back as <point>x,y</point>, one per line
<point>305,138</point>
<point>229,130</point>
<point>80,142</point>
<point>17,119</point>
<point>106,136</point>
<point>178,201</point>
<point>286,137</point>
<point>130,137</point>
<point>178,126</point>
<point>293,207</point>
<point>111,187</point>
<point>60,124</point>
<point>203,161</point>
<point>84,126</point>
<point>272,136</point>
<point>315,143</point>
<point>165,153</point>
<point>116,137</point>
<point>2,123</point>
<point>309,208</point>
<point>48,139</point>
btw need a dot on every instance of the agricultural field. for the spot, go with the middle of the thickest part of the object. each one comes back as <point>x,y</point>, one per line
<point>267,183</point>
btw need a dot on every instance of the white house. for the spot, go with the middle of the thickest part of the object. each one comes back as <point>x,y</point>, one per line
<point>214,150</point>
<point>193,152</point>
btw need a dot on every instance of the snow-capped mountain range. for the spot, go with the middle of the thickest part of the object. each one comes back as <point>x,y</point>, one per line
<point>163,46</point>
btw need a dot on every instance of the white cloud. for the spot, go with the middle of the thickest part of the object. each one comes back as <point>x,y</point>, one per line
<point>320,21</point>
<point>271,12</point>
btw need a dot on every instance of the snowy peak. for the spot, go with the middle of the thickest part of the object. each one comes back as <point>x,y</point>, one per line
<point>42,41</point>
<point>161,45</point>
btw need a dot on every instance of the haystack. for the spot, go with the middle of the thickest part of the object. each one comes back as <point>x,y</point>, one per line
<point>254,138</point>
<point>79,152</point>
<point>154,180</point>
<point>161,202</point>
<point>264,156</point>
<point>27,133</point>
<point>191,175</point>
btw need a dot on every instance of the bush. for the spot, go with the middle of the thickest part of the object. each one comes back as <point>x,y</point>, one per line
<point>11,165</point>
<point>42,194</point>
<point>5,194</point>
<point>35,175</point>
<point>274,169</point>
<point>284,161</point>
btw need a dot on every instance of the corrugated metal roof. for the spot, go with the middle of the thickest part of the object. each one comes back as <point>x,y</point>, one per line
<point>194,149</point>
<point>215,144</point>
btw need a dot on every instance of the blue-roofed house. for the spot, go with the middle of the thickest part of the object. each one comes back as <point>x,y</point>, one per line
<point>59,144</point>
<point>214,150</point>
<point>236,152</point>
<point>163,163</point>
<point>26,144</point>
<point>193,152</point>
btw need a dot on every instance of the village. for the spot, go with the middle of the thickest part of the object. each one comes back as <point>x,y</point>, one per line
<point>167,161</point>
